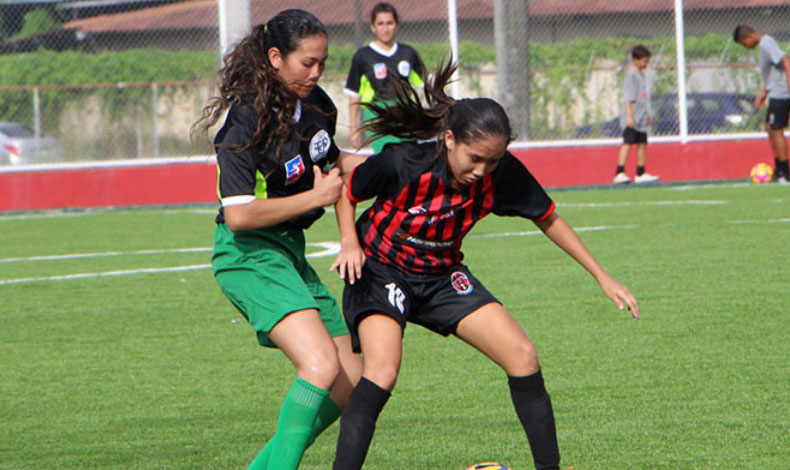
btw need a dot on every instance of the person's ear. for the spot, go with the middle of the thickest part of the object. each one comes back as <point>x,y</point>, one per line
<point>449,140</point>
<point>275,58</point>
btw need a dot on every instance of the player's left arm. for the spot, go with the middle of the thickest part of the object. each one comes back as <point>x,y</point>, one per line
<point>561,233</point>
<point>347,161</point>
<point>351,257</point>
<point>786,67</point>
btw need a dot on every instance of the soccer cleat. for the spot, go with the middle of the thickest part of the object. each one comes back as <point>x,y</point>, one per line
<point>645,178</point>
<point>621,178</point>
<point>781,179</point>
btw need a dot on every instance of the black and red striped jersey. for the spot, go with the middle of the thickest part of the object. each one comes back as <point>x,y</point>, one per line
<point>418,220</point>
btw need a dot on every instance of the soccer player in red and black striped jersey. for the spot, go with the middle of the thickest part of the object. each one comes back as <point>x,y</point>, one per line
<point>405,262</point>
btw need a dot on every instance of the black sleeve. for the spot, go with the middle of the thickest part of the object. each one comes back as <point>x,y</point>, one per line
<point>376,176</point>
<point>328,107</point>
<point>354,74</point>
<point>236,169</point>
<point>517,192</point>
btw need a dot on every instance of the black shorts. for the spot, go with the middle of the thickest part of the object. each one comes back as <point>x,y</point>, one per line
<point>633,136</point>
<point>778,110</point>
<point>436,302</point>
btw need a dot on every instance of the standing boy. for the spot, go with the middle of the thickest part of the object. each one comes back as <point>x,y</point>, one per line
<point>635,117</point>
<point>372,68</point>
<point>775,77</point>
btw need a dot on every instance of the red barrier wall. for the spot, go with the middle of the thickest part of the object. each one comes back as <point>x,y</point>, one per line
<point>672,161</point>
<point>184,181</point>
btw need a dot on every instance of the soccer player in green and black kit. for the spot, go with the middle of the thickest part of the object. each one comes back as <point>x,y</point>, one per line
<point>275,140</point>
<point>372,68</point>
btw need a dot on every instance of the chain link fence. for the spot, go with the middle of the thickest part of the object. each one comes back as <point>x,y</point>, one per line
<point>123,79</point>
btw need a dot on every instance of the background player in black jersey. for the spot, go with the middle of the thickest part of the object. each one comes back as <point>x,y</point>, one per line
<point>270,150</point>
<point>427,198</point>
<point>374,66</point>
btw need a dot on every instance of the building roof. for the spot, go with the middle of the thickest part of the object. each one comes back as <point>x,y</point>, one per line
<point>202,14</point>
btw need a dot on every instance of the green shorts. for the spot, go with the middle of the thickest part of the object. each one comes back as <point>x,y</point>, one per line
<point>266,276</point>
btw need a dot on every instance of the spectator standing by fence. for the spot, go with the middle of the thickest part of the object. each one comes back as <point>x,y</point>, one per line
<point>775,77</point>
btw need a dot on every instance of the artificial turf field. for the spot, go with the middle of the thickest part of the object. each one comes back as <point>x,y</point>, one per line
<point>145,369</point>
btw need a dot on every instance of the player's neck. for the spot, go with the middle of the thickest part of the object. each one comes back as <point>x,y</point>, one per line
<point>384,46</point>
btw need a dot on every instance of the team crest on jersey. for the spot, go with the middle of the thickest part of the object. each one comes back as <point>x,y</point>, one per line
<point>461,283</point>
<point>380,70</point>
<point>319,145</point>
<point>416,210</point>
<point>294,169</point>
<point>404,68</point>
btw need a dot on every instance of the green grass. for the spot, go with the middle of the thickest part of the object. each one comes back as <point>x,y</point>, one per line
<point>158,371</point>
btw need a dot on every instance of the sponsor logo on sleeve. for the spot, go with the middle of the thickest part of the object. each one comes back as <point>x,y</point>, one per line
<point>294,169</point>
<point>380,70</point>
<point>319,145</point>
<point>404,68</point>
<point>461,283</point>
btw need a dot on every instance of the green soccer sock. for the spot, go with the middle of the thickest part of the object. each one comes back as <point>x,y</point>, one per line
<point>295,426</point>
<point>327,414</point>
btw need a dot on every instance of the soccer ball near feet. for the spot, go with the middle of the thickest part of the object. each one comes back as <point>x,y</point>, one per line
<point>487,466</point>
<point>761,173</point>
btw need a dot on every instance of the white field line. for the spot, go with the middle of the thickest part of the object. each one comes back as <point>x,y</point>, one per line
<point>643,203</point>
<point>102,255</point>
<point>769,221</point>
<point>538,232</point>
<point>328,249</point>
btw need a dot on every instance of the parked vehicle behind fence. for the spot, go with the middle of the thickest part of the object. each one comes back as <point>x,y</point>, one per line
<point>20,146</point>
<point>707,113</point>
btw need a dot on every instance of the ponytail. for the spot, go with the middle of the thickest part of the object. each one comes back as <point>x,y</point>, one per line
<point>469,119</point>
<point>406,117</point>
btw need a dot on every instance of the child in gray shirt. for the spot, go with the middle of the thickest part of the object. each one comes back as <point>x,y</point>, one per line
<point>635,118</point>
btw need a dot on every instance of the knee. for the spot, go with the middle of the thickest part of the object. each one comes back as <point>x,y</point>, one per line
<point>321,367</point>
<point>523,359</point>
<point>383,375</point>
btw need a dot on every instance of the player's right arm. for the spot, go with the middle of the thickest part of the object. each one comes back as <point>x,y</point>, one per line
<point>259,213</point>
<point>241,186</point>
<point>351,257</point>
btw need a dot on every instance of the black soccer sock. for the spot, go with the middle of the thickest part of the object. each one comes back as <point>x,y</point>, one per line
<point>640,170</point>
<point>533,407</point>
<point>783,168</point>
<point>358,424</point>
<point>620,169</point>
<point>777,165</point>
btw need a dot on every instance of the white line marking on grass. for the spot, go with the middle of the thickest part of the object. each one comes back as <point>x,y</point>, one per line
<point>45,215</point>
<point>692,187</point>
<point>644,203</point>
<point>103,254</point>
<point>70,277</point>
<point>769,221</point>
<point>538,232</point>
<point>328,249</point>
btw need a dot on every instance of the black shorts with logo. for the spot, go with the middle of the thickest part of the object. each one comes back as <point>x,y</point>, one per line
<point>777,115</point>
<point>436,302</point>
<point>633,136</point>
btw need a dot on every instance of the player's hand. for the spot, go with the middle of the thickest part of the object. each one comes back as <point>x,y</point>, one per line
<point>759,101</point>
<point>327,187</point>
<point>620,295</point>
<point>349,261</point>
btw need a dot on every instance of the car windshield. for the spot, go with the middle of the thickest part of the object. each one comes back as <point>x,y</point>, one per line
<point>12,129</point>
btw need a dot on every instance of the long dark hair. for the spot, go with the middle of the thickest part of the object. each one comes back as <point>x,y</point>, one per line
<point>406,116</point>
<point>248,73</point>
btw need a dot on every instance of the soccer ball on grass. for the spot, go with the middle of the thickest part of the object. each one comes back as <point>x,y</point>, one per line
<point>761,173</point>
<point>487,466</point>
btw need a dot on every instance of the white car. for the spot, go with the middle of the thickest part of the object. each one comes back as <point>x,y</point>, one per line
<point>20,146</point>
